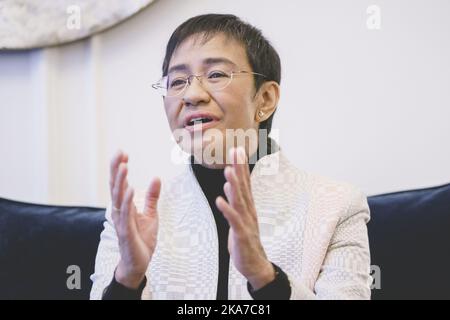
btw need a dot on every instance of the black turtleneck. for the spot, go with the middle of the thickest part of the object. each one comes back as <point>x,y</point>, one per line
<point>212,181</point>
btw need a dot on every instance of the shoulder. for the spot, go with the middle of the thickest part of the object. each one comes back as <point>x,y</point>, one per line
<point>331,196</point>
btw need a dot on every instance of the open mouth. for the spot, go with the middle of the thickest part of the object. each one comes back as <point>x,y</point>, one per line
<point>199,120</point>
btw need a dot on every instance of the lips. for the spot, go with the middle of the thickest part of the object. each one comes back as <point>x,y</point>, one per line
<point>200,121</point>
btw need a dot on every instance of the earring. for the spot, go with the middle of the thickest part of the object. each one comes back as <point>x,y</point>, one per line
<point>260,113</point>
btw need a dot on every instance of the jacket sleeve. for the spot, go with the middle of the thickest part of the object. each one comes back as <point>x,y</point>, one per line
<point>107,258</point>
<point>117,291</point>
<point>345,271</point>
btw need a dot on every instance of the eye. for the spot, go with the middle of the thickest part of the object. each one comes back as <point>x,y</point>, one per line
<point>217,74</point>
<point>178,82</point>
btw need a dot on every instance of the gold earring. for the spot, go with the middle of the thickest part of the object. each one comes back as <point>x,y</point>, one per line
<point>260,113</point>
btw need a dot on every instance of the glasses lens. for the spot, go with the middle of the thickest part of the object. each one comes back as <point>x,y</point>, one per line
<point>170,86</point>
<point>175,85</point>
<point>218,80</point>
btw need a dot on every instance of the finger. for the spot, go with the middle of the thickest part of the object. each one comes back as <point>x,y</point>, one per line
<point>246,167</point>
<point>228,194</point>
<point>236,199</point>
<point>227,190</point>
<point>113,167</point>
<point>152,196</point>
<point>230,186</point>
<point>128,215</point>
<point>238,164</point>
<point>116,160</point>
<point>125,183</point>
<point>230,214</point>
<point>114,215</point>
<point>245,179</point>
<point>242,171</point>
<point>118,189</point>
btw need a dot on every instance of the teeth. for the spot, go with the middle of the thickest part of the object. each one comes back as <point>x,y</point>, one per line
<point>200,119</point>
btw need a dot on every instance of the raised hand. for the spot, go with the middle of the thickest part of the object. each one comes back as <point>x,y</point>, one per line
<point>244,244</point>
<point>136,231</point>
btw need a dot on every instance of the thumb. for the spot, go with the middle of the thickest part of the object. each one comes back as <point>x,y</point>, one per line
<point>152,196</point>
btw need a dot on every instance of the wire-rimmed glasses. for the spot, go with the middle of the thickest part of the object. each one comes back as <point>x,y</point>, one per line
<point>215,80</point>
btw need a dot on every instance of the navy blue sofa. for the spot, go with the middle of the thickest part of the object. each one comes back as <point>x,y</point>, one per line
<point>409,237</point>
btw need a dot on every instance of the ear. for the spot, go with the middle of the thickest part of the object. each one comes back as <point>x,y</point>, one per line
<point>268,96</point>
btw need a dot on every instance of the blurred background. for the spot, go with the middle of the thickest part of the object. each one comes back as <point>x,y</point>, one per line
<point>362,101</point>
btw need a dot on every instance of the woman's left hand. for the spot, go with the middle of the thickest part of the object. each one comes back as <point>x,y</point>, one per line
<point>244,242</point>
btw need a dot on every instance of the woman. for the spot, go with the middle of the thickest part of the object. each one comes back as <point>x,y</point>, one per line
<point>230,228</point>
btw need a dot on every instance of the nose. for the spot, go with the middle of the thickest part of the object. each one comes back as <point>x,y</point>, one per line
<point>195,93</point>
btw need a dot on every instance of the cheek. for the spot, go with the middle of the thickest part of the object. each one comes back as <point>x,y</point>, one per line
<point>172,115</point>
<point>239,113</point>
<point>234,104</point>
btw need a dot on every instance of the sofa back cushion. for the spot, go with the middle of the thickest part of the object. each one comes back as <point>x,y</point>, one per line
<point>38,243</point>
<point>409,236</point>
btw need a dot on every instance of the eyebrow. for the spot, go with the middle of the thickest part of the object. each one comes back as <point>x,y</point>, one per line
<point>207,61</point>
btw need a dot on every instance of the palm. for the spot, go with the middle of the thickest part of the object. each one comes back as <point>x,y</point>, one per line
<point>136,232</point>
<point>147,227</point>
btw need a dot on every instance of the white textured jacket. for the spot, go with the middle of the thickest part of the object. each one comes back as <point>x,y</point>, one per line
<point>312,227</point>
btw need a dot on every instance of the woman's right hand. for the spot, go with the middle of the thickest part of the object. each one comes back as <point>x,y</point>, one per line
<point>136,232</point>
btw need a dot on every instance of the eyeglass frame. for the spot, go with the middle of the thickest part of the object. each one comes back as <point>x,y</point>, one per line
<point>158,86</point>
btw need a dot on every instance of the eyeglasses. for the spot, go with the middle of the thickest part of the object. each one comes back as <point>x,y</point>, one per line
<point>216,80</point>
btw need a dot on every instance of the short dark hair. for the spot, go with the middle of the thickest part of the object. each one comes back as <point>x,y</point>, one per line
<point>262,56</point>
